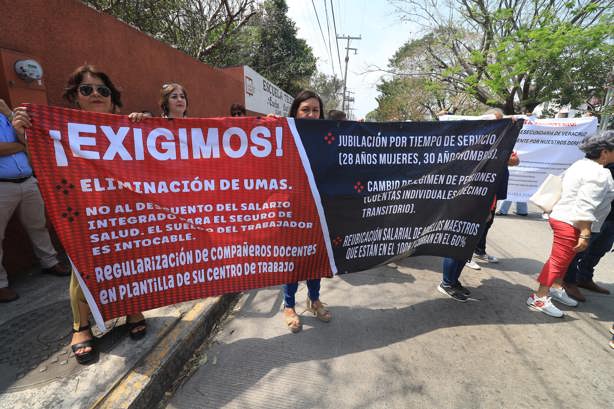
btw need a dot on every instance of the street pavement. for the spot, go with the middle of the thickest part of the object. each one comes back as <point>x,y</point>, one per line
<point>396,342</point>
<point>38,370</point>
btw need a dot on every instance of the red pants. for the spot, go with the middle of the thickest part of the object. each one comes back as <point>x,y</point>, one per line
<point>565,239</point>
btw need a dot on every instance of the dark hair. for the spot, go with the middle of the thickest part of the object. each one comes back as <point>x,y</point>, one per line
<point>165,91</point>
<point>594,145</point>
<point>337,115</point>
<point>304,95</point>
<point>237,108</point>
<point>76,78</point>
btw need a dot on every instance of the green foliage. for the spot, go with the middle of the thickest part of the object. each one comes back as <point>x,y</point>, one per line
<point>280,55</point>
<point>269,45</point>
<point>194,26</point>
<point>225,33</point>
<point>418,99</point>
<point>513,57</point>
<point>329,88</point>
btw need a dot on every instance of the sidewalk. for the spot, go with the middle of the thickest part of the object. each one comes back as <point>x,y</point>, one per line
<point>37,369</point>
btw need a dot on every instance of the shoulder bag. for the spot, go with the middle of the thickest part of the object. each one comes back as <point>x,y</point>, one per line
<point>548,193</point>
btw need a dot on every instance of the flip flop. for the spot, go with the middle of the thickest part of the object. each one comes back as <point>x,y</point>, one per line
<point>136,335</point>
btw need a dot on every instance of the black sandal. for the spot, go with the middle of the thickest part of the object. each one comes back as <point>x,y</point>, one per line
<point>86,357</point>
<point>138,334</point>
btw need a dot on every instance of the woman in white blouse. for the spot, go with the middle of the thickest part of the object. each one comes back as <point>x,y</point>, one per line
<point>587,191</point>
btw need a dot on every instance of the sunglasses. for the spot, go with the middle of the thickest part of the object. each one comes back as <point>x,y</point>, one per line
<point>236,114</point>
<point>87,89</point>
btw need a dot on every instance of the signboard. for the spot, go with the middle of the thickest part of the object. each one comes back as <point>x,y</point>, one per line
<point>264,97</point>
<point>546,146</point>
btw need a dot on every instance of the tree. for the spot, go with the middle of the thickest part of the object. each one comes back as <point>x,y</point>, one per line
<point>329,88</point>
<point>269,45</point>
<point>418,99</point>
<point>197,27</point>
<point>225,33</point>
<point>511,54</point>
<point>279,54</point>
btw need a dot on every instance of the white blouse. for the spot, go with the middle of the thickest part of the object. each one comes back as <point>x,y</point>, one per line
<point>588,190</point>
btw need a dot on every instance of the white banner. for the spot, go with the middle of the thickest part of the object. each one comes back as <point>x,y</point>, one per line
<point>546,146</point>
<point>263,96</point>
<point>466,117</point>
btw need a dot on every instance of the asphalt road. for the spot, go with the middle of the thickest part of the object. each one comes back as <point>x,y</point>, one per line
<point>396,342</point>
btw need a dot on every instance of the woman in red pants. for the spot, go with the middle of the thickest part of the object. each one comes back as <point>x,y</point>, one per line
<point>587,191</point>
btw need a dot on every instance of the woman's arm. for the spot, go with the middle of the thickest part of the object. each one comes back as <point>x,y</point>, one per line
<point>585,236</point>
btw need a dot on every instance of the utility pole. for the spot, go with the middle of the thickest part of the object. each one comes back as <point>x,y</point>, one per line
<point>350,99</point>
<point>347,59</point>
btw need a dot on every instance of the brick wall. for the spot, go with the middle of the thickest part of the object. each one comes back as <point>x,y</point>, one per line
<point>63,34</point>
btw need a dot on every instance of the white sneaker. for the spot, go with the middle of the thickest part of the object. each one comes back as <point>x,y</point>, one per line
<point>486,257</point>
<point>561,296</point>
<point>544,305</point>
<point>472,264</point>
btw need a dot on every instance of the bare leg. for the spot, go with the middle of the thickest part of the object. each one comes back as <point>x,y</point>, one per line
<point>542,291</point>
<point>558,283</point>
<point>82,336</point>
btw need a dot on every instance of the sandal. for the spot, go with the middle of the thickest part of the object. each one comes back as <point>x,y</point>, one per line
<point>137,334</point>
<point>293,322</point>
<point>319,311</point>
<point>85,357</point>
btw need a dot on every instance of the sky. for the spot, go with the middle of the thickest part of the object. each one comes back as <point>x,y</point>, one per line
<point>381,31</point>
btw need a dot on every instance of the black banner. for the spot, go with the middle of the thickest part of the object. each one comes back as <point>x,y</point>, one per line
<point>392,190</point>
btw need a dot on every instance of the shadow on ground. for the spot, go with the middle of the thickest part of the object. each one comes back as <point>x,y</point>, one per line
<point>357,329</point>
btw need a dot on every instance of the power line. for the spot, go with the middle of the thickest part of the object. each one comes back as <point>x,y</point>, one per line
<point>343,20</point>
<point>332,10</point>
<point>330,48</point>
<point>319,25</point>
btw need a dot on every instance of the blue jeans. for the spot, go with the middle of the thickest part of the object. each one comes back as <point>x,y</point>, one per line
<point>521,207</point>
<point>481,247</point>
<point>313,289</point>
<point>452,269</point>
<point>583,264</point>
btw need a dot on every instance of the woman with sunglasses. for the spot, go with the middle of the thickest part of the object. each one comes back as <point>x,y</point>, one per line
<point>173,101</point>
<point>89,90</point>
<point>306,105</point>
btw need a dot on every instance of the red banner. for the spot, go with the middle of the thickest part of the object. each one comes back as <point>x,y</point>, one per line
<point>163,211</point>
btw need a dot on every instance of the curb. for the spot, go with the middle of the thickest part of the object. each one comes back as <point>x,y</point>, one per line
<point>144,386</point>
